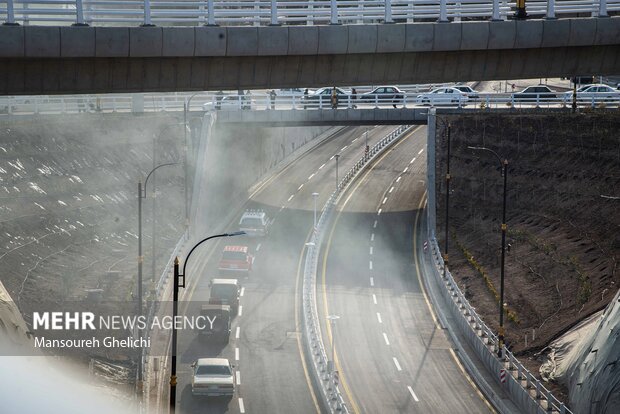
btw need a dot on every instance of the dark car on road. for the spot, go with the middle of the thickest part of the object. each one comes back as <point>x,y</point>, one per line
<point>535,94</point>
<point>322,98</point>
<point>384,94</point>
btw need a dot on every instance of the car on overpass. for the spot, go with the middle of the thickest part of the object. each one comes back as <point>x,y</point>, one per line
<point>535,94</point>
<point>383,94</point>
<point>321,98</point>
<point>235,259</point>
<point>595,93</point>
<point>472,94</point>
<point>229,102</point>
<point>212,377</point>
<point>442,96</point>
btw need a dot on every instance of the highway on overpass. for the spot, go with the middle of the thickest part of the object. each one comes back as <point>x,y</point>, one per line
<point>378,359</point>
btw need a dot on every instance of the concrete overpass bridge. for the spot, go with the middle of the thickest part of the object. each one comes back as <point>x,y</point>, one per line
<point>398,42</point>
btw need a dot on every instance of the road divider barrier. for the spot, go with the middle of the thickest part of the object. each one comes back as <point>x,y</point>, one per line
<point>328,381</point>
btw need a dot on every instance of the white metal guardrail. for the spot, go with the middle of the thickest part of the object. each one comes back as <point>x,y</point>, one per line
<point>51,105</point>
<point>526,391</point>
<point>272,12</point>
<point>328,381</point>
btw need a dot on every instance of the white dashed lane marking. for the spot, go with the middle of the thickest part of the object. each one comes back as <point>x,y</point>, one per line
<point>397,364</point>
<point>406,169</point>
<point>372,281</point>
<point>240,310</point>
<point>238,377</point>
<point>379,317</point>
<point>421,151</point>
<point>391,189</point>
<point>374,298</point>
<point>300,187</point>
<point>242,291</point>
<point>398,179</point>
<point>384,200</point>
<point>374,226</point>
<point>371,249</point>
<point>321,166</point>
<point>237,332</point>
<point>258,246</point>
<point>236,354</point>
<point>387,342</point>
<point>291,197</point>
<point>241,406</point>
<point>415,397</point>
<point>370,265</point>
<point>312,175</point>
<point>372,236</point>
<point>344,148</point>
<point>379,212</point>
<point>411,162</point>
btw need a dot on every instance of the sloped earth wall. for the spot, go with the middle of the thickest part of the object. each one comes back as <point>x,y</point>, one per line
<point>563,217</point>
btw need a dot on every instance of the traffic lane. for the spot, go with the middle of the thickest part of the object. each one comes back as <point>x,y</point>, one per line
<point>312,167</point>
<point>270,358</point>
<point>401,319</point>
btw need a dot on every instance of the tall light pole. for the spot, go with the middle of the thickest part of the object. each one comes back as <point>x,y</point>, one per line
<point>337,183</point>
<point>314,196</point>
<point>366,148</point>
<point>175,311</point>
<point>504,227</point>
<point>141,195</point>
<point>332,321</point>
<point>448,178</point>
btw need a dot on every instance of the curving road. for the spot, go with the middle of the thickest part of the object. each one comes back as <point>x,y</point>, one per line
<point>391,354</point>
<point>265,340</point>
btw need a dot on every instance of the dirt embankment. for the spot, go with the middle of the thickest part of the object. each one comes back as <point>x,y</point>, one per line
<point>68,209</point>
<point>563,217</point>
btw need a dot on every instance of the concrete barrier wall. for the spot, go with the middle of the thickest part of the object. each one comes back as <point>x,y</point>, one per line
<point>45,60</point>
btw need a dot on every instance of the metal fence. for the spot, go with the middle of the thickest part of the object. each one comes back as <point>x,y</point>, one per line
<point>272,12</point>
<point>525,390</point>
<point>261,101</point>
<point>328,381</point>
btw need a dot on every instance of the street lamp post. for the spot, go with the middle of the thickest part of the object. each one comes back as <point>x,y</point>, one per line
<point>175,311</point>
<point>520,13</point>
<point>366,148</point>
<point>504,228</point>
<point>337,185</point>
<point>314,196</point>
<point>141,195</point>
<point>448,178</point>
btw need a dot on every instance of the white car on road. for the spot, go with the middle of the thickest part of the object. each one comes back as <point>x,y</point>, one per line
<point>213,377</point>
<point>595,93</point>
<point>442,96</point>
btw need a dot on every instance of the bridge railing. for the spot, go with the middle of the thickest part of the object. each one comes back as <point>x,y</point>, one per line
<point>29,105</point>
<point>272,12</point>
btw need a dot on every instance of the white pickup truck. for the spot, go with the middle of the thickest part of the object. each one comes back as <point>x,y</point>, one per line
<point>255,223</point>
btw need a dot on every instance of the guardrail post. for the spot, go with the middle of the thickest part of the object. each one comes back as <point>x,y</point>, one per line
<point>210,13</point>
<point>443,12</point>
<point>495,16</point>
<point>333,6</point>
<point>10,14</point>
<point>79,14</point>
<point>274,13</point>
<point>602,8</point>
<point>147,13</point>
<point>388,12</point>
<point>550,10</point>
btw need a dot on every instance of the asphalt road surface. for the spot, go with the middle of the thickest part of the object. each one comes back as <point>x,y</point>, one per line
<point>265,343</point>
<point>391,354</point>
